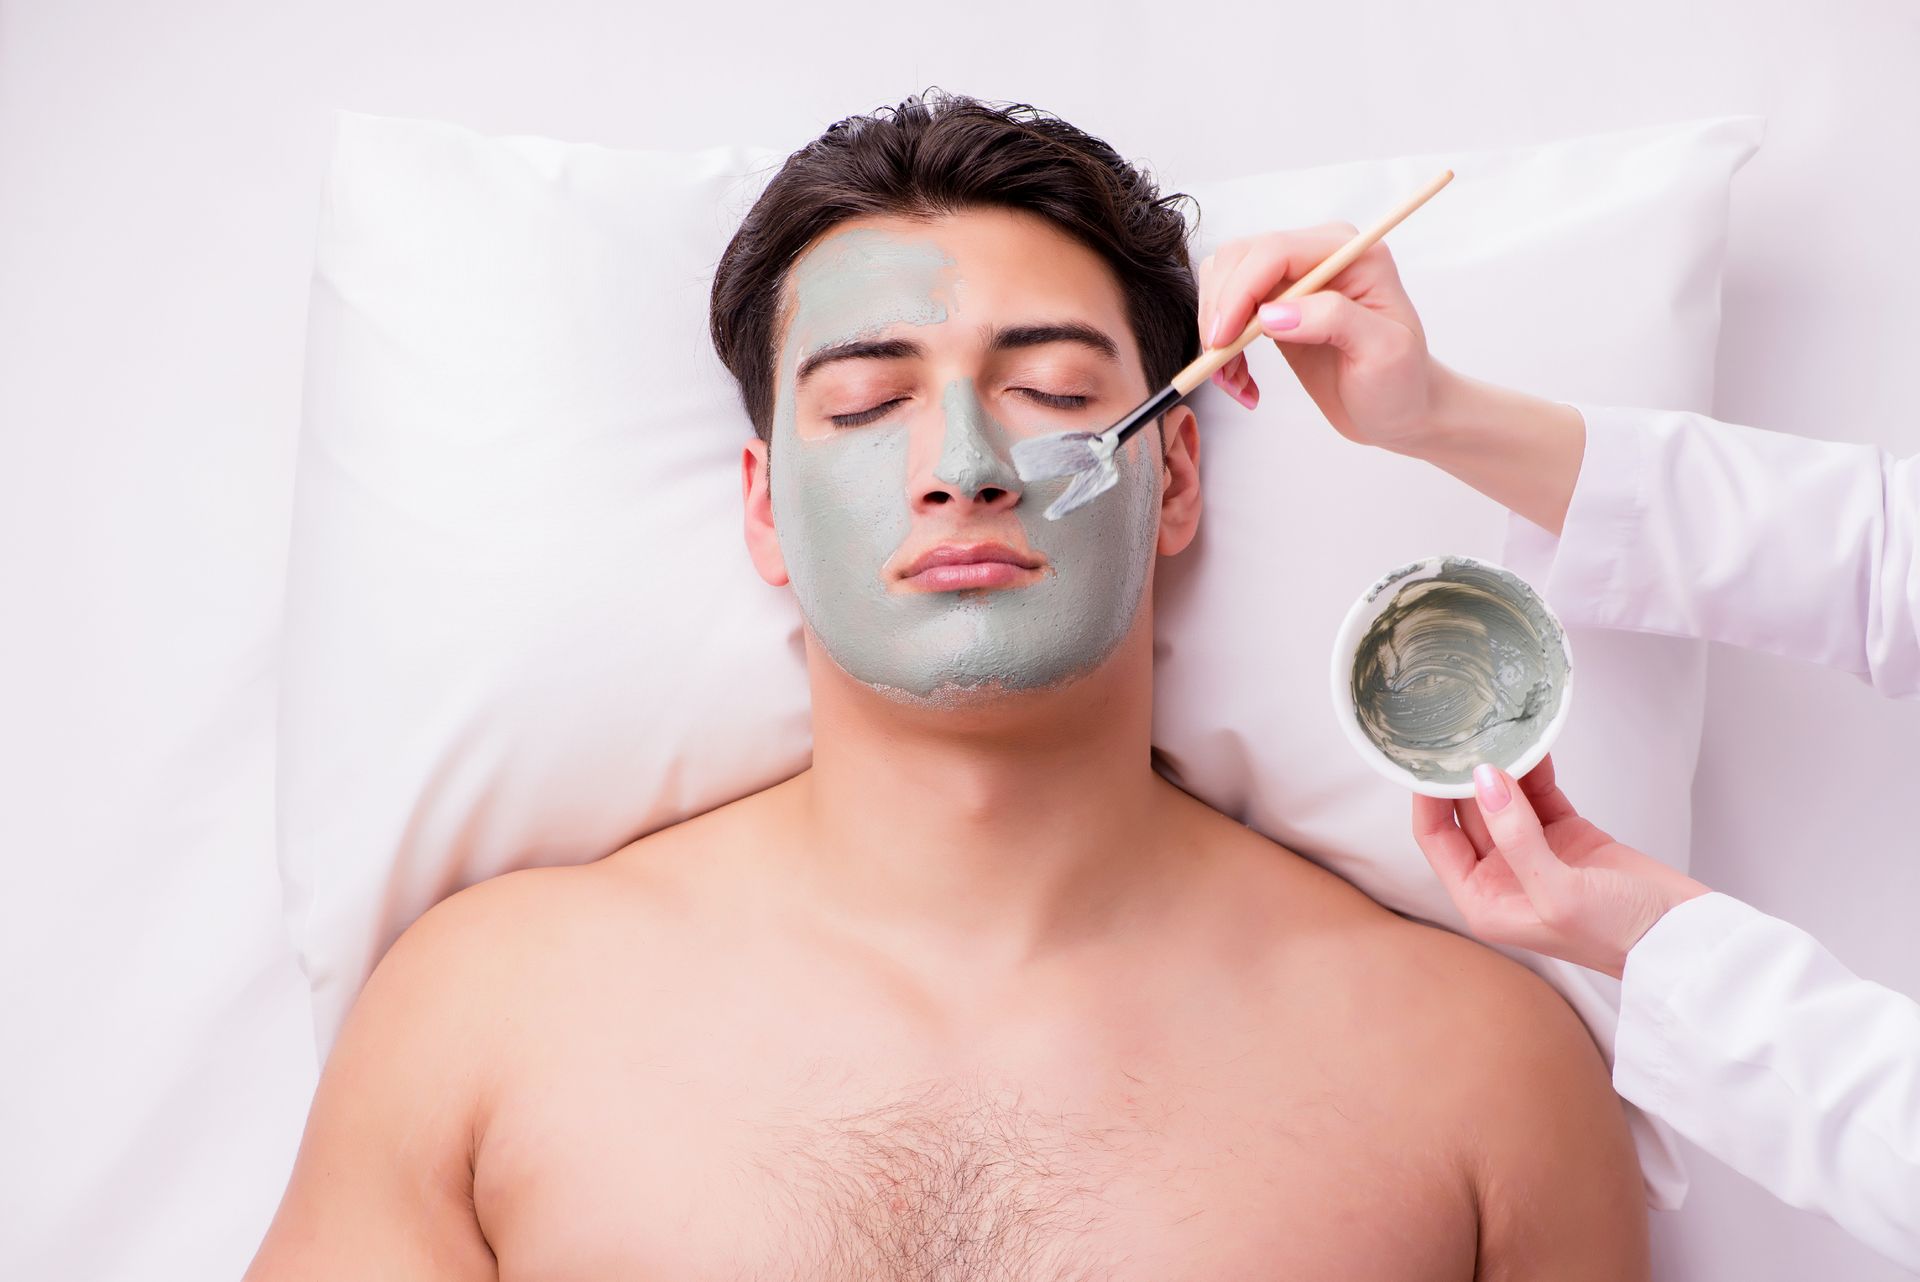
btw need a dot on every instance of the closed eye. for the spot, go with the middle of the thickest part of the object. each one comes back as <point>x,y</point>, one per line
<point>1057,402</point>
<point>862,417</point>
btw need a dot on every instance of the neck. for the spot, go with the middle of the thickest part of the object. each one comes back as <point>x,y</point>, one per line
<point>1007,829</point>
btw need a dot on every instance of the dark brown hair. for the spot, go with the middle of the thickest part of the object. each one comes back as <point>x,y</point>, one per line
<point>938,154</point>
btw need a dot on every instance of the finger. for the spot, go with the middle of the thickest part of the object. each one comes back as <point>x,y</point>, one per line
<point>1475,826</point>
<point>1445,846</point>
<point>1236,380</point>
<point>1549,803</point>
<point>1246,398</point>
<point>1205,274</point>
<point>1272,261</point>
<point>1217,267</point>
<point>1328,317</point>
<point>1267,263</point>
<point>1517,833</point>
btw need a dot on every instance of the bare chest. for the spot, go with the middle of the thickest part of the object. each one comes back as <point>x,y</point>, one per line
<point>831,1169</point>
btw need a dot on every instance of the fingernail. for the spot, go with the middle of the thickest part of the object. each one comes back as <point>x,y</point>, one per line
<point>1279,315</point>
<point>1491,788</point>
<point>1213,330</point>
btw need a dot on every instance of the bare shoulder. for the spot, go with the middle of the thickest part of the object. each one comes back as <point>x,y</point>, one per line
<point>1326,931</point>
<point>1511,1076</point>
<point>382,1183</point>
<point>691,857</point>
<point>1452,983</point>
<point>484,956</point>
<point>1484,1059</point>
<point>1544,1136</point>
<point>519,926</point>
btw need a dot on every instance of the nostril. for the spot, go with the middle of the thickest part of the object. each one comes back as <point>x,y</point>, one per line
<point>937,496</point>
<point>992,494</point>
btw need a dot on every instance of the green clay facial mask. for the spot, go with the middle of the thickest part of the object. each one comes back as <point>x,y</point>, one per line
<point>844,503</point>
<point>1460,668</point>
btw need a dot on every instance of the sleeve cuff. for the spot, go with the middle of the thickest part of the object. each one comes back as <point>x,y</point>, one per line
<point>1579,573</point>
<point>1650,1030</point>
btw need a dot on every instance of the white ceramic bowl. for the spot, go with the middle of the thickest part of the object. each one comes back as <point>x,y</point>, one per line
<point>1374,602</point>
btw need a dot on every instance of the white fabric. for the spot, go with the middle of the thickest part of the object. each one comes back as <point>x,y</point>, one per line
<point>1738,1029</point>
<point>1756,1044</point>
<point>1687,526</point>
<point>521,627</point>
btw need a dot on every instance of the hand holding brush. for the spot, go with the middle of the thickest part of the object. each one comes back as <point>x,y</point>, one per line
<point>1087,458</point>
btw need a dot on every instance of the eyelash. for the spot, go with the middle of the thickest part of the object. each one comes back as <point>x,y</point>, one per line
<point>863,417</point>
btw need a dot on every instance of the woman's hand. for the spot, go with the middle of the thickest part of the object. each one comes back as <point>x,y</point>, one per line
<point>1524,868</point>
<point>1358,349</point>
<point>1356,345</point>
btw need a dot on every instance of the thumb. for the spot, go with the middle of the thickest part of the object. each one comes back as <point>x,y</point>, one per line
<point>1516,831</point>
<point>1329,317</point>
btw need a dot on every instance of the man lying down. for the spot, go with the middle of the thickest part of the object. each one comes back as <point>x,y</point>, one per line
<point>979,995</point>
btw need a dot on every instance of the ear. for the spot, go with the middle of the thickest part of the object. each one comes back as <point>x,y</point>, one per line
<point>1180,482</point>
<point>763,544</point>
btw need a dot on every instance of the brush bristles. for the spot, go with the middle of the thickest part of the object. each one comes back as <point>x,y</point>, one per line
<point>1085,458</point>
<point>1048,458</point>
<point>1085,488</point>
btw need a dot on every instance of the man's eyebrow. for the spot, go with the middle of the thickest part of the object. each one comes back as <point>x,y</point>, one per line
<point>998,340</point>
<point>869,349</point>
<point>1057,332</point>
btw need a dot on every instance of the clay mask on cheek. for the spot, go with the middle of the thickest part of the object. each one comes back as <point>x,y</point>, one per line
<point>842,507</point>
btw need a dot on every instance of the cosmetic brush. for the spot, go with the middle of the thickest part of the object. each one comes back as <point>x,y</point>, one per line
<point>1087,457</point>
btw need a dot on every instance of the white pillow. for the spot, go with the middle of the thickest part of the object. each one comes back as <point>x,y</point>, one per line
<point>518,448</point>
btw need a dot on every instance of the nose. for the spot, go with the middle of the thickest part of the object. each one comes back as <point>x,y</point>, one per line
<point>974,465</point>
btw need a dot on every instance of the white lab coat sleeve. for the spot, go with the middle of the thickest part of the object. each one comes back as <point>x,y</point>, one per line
<point>1688,526</point>
<point>1754,1042</point>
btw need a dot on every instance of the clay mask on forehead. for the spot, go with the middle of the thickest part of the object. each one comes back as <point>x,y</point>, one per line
<point>842,504</point>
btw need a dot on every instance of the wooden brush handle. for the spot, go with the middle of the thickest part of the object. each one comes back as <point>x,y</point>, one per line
<point>1335,263</point>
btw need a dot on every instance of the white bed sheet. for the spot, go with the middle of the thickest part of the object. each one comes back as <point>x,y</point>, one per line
<point>159,177</point>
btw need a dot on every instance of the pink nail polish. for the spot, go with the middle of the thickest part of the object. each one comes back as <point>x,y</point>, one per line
<point>1491,788</point>
<point>1279,315</point>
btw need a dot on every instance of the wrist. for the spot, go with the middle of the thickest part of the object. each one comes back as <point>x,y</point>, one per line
<point>1520,450</point>
<point>1455,404</point>
<point>1471,417</point>
<point>1685,888</point>
<point>1677,889</point>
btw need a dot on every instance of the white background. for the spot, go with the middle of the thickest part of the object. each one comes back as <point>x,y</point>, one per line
<point>160,174</point>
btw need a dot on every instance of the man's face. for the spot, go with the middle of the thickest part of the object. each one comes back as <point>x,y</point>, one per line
<point>915,355</point>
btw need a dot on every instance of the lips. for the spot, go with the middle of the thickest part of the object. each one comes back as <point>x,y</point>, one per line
<point>954,567</point>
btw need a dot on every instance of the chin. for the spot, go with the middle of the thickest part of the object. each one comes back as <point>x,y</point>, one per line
<point>968,692</point>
